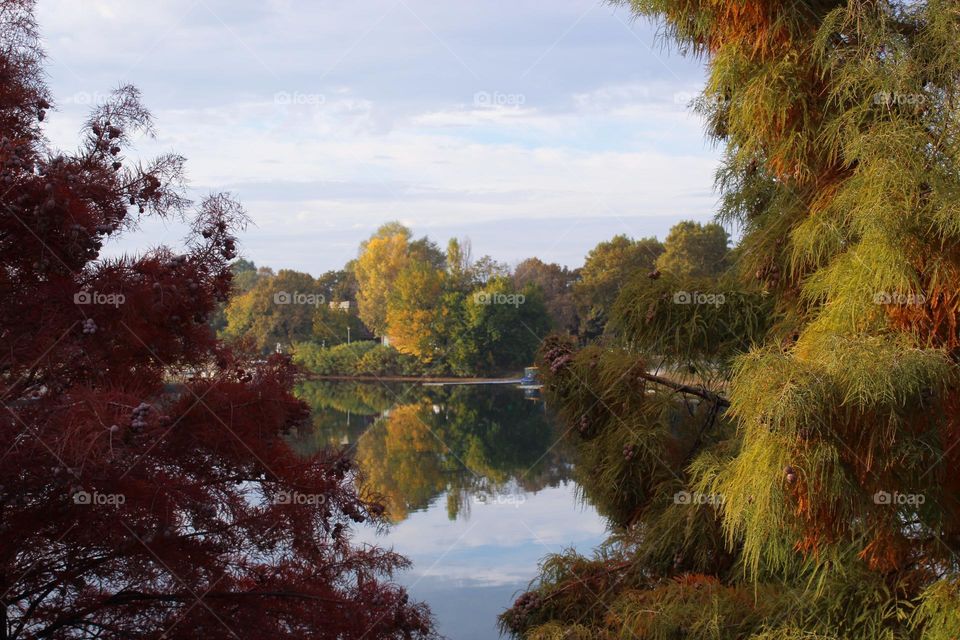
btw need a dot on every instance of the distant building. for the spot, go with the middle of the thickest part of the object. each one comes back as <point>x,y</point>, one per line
<point>340,306</point>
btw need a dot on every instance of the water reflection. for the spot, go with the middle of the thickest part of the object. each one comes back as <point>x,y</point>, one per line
<point>475,480</point>
<point>415,444</point>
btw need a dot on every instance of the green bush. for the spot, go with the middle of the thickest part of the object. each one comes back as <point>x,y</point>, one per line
<point>338,360</point>
<point>383,360</point>
<point>363,358</point>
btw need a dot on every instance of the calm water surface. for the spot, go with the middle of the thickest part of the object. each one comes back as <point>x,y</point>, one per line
<point>475,482</point>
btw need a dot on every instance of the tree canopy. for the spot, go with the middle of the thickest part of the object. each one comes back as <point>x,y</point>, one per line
<point>382,258</point>
<point>147,490</point>
<point>276,310</point>
<point>777,444</point>
<point>694,250</point>
<point>556,285</point>
<point>606,268</point>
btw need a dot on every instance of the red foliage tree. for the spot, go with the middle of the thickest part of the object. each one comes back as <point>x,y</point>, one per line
<point>146,490</point>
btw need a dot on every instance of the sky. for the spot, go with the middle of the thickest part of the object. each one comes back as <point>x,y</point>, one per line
<point>533,128</point>
<point>469,570</point>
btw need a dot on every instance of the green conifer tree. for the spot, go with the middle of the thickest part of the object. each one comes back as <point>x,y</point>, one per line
<point>801,480</point>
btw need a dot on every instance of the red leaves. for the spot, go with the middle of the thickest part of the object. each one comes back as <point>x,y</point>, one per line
<point>146,487</point>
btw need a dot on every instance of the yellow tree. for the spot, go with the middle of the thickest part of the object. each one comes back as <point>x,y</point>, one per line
<point>401,461</point>
<point>412,310</point>
<point>277,309</point>
<point>382,258</point>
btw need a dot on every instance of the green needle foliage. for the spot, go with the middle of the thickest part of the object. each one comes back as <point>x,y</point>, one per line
<point>782,463</point>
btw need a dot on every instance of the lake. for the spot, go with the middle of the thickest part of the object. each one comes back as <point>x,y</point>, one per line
<point>476,481</point>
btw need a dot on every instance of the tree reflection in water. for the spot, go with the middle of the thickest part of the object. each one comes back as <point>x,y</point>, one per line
<point>413,444</point>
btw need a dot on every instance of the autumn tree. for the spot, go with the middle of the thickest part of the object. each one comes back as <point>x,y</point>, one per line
<point>404,459</point>
<point>811,492</point>
<point>556,285</point>
<point>413,310</point>
<point>244,275</point>
<point>382,257</point>
<point>140,500</point>
<point>472,446</point>
<point>426,303</point>
<point>281,309</point>
<point>290,307</point>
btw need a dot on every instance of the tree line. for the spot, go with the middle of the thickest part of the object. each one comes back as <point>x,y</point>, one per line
<point>442,311</point>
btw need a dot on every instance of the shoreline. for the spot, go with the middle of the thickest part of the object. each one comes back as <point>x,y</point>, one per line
<point>414,379</point>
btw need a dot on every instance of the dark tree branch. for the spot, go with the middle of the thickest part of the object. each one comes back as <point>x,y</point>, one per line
<point>699,391</point>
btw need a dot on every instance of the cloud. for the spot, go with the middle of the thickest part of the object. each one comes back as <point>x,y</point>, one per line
<point>328,119</point>
<point>497,544</point>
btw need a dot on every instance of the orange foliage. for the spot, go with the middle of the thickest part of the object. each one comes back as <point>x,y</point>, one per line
<point>696,580</point>
<point>936,321</point>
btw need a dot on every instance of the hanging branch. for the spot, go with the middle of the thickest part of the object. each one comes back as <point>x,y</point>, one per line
<point>699,391</point>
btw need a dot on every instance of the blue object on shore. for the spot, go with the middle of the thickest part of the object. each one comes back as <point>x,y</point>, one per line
<point>530,378</point>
